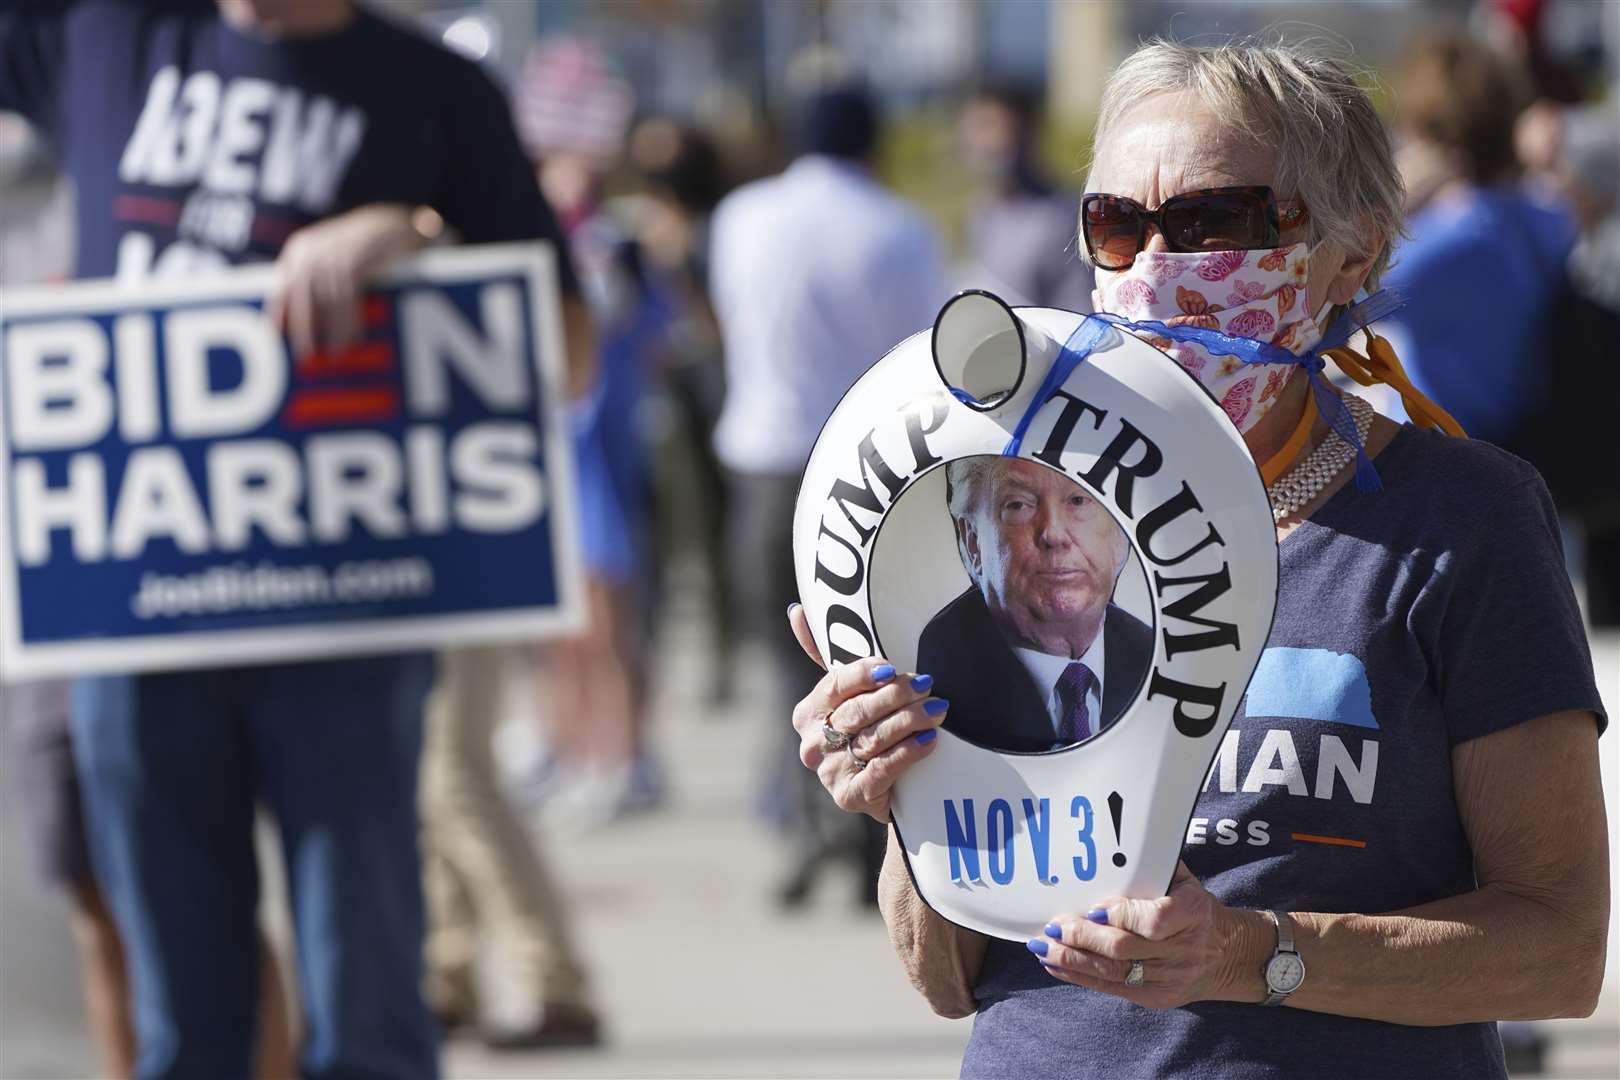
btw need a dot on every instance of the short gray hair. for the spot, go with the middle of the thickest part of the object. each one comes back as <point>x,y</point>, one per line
<point>964,483</point>
<point>964,488</point>
<point>1301,100</point>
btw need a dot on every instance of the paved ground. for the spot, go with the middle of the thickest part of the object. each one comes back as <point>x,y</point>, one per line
<point>698,974</point>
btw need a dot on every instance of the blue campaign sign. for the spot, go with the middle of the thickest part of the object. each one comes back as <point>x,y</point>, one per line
<point>178,490</point>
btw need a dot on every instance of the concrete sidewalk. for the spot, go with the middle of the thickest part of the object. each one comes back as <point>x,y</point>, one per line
<point>698,973</point>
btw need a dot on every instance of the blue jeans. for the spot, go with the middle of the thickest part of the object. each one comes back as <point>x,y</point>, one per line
<point>172,767</point>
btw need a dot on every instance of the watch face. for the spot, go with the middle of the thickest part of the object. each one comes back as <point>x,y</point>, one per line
<point>1285,972</point>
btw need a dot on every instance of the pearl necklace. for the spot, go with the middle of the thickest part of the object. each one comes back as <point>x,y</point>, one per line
<point>1300,484</point>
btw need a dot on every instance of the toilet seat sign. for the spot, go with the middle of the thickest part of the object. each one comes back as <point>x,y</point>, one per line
<point>1062,527</point>
<point>178,490</point>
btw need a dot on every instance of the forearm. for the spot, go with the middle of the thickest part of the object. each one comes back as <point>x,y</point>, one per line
<point>1490,954</point>
<point>941,959</point>
<point>579,346</point>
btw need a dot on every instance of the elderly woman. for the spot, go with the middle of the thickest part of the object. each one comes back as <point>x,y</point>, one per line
<point>1365,891</point>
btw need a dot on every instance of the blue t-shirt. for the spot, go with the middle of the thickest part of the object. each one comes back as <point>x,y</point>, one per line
<point>1478,271</point>
<point>193,145</point>
<point>1408,621</point>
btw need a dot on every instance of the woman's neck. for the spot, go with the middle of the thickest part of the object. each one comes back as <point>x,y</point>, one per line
<point>1271,433</point>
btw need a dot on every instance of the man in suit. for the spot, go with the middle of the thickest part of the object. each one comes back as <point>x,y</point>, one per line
<point>1035,654</point>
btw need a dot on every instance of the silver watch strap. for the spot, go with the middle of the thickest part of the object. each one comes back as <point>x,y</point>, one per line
<point>1285,943</point>
<point>1285,930</point>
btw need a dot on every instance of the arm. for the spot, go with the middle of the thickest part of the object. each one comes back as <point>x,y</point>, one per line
<point>579,343</point>
<point>941,959</point>
<point>1529,939</point>
<point>1528,943</point>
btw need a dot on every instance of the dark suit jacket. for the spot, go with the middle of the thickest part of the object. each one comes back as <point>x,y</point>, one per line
<point>993,700</point>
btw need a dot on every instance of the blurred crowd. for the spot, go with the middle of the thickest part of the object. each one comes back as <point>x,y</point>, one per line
<point>736,291</point>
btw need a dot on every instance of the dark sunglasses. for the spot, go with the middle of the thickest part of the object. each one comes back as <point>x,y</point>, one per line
<point>1212,219</point>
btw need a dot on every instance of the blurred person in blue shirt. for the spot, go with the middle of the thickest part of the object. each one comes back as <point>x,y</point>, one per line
<point>1472,231</point>
<point>573,112</point>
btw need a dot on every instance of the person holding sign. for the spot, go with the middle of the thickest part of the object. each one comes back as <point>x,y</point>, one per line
<point>1035,653</point>
<point>332,142</point>
<point>1402,838</point>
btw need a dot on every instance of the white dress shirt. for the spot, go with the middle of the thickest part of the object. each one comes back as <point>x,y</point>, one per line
<point>1046,669</point>
<point>815,274</point>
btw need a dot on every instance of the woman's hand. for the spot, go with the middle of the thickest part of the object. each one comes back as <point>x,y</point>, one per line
<point>889,717</point>
<point>323,269</point>
<point>1190,944</point>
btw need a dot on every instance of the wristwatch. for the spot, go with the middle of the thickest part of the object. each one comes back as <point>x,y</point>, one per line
<point>1285,971</point>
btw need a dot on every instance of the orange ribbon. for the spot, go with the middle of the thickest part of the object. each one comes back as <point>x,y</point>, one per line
<point>1380,365</point>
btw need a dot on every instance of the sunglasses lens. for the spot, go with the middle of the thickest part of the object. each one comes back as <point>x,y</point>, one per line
<point>1112,228</point>
<point>1216,223</point>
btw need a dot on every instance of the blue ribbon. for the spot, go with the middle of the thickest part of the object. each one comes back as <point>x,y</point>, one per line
<point>1089,334</point>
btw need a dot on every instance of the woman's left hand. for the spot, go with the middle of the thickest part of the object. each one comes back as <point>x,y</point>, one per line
<point>1189,944</point>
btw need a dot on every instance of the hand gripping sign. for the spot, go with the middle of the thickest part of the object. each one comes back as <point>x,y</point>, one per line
<point>177,490</point>
<point>1062,527</point>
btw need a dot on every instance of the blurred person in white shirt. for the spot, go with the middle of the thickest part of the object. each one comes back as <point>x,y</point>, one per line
<point>815,274</point>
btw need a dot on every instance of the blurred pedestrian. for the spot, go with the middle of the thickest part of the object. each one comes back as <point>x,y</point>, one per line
<point>574,113</point>
<point>487,884</point>
<point>1472,231</point>
<point>1588,175</point>
<point>48,799</point>
<point>1566,436</point>
<point>1021,232</point>
<point>815,274</point>
<point>1521,372</point>
<point>347,142</point>
<point>684,179</point>
<point>489,890</point>
<point>36,246</point>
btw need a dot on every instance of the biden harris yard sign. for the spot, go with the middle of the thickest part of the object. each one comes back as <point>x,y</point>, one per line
<point>1062,527</point>
<point>178,490</point>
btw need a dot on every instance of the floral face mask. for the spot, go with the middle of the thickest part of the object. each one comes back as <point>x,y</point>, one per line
<point>1254,294</point>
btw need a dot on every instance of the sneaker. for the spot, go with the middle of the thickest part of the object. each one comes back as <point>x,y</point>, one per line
<point>647,788</point>
<point>606,794</point>
<point>558,1027</point>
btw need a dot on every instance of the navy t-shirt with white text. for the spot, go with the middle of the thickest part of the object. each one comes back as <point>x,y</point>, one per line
<point>1408,621</point>
<point>193,145</point>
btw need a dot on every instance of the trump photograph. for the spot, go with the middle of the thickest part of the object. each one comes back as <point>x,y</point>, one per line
<point>1034,654</point>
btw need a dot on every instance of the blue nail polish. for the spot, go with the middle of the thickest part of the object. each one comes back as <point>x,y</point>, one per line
<point>883,673</point>
<point>921,683</point>
<point>1053,930</point>
<point>935,706</point>
<point>1036,946</point>
<point>1098,915</point>
<point>1049,967</point>
<point>926,737</point>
